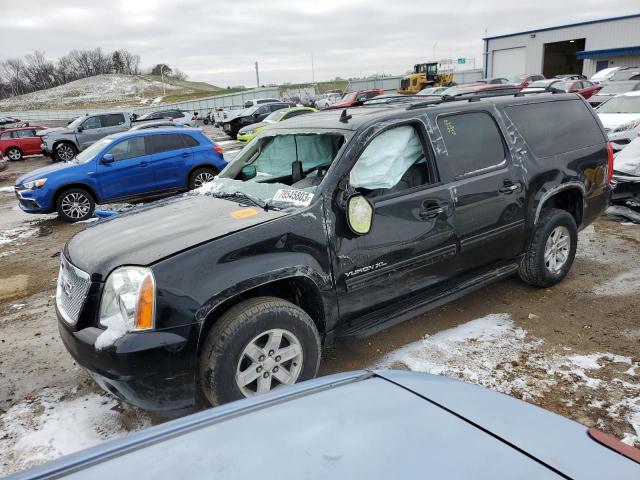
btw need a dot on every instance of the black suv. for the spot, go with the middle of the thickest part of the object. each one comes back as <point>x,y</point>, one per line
<point>336,224</point>
<point>252,115</point>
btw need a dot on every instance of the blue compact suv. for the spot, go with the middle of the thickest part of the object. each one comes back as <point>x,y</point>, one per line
<point>121,167</point>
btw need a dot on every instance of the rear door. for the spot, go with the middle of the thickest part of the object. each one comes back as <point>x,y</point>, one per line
<point>131,173</point>
<point>29,143</point>
<point>113,123</point>
<point>170,158</point>
<point>487,190</point>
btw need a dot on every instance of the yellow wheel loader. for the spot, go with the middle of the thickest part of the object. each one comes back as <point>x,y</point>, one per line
<point>424,75</point>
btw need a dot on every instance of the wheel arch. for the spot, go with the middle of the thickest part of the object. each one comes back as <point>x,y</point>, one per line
<point>301,290</point>
<point>16,147</point>
<point>568,196</point>
<point>64,140</point>
<point>63,188</point>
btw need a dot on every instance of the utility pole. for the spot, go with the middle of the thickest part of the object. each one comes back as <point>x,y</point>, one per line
<point>257,76</point>
<point>164,93</point>
<point>313,72</point>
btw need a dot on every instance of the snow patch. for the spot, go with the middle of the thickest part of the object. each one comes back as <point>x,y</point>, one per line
<point>19,233</point>
<point>492,351</point>
<point>51,425</point>
<point>627,283</point>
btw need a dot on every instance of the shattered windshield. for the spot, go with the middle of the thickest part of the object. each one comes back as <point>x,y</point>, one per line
<point>278,170</point>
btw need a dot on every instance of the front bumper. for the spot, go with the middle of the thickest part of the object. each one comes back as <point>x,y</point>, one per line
<point>33,201</point>
<point>245,137</point>
<point>44,148</point>
<point>152,370</point>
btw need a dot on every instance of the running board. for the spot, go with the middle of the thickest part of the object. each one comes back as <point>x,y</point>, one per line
<point>393,314</point>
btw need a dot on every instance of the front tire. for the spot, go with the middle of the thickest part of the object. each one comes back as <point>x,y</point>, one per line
<point>256,346</point>
<point>552,249</point>
<point>14,154</point>
<point>64,152</point>
<point>75,205</point>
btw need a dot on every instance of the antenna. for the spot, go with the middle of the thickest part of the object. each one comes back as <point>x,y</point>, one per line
<point>344,116</point>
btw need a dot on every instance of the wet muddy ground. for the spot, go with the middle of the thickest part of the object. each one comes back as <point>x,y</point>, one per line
<point>573,348</point>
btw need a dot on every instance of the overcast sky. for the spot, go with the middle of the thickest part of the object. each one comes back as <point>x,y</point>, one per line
<point>218,41</point>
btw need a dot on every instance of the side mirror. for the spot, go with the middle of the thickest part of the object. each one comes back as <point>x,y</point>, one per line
<point>359,214</point>
<point>248,172</point>
<point>108,158</point>
<point>79,129</point>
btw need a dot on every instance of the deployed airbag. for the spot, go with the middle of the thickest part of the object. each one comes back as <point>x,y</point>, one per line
<point>386,159</point>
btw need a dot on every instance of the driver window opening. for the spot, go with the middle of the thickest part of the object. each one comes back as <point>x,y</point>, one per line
<point>394,161</point>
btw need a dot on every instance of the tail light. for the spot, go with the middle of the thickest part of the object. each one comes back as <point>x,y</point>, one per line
<point>218,149</point>
<point>609,163</point>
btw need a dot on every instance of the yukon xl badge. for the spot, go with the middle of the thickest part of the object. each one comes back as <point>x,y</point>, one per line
<point>368,268</point>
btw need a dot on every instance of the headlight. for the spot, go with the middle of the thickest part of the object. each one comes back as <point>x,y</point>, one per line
<point>128,300</point>
<point>628,126</point>
<point>35,184</point>
<point>248,132</point>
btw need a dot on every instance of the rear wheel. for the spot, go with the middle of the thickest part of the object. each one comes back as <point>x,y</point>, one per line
<point>75,205</point>
<point>552,249</point>
<point>200,176</point>
<point>14,154</point>
<point>64,152</point>
<point>256,346</point>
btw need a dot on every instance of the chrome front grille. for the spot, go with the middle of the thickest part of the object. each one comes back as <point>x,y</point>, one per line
<point>73,286</point>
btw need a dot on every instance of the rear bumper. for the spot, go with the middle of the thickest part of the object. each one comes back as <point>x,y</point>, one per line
<point>152,370</point>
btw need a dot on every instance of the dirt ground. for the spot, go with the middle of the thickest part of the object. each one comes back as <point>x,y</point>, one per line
<point>573,349</point>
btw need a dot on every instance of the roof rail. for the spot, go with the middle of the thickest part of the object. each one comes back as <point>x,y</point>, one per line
<point>471,97</point>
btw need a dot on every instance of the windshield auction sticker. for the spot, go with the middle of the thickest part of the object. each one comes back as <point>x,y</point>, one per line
<point>244,213</point>
<point>296,197</point>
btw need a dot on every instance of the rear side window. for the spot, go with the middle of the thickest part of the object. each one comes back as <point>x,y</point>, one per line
<point>189,141</point>
<point>278,106</point>
<point>164,143</point>
<point>473,143</point>
<point>6,135</point>
<point>112,120</point>
<point>25,133</point>
<point>133,147</point>
<point>552,128</point>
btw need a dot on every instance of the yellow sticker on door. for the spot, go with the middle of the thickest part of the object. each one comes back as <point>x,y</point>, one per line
<point>244,213</point>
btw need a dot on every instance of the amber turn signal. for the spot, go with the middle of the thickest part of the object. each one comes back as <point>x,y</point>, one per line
<point>146,304</point>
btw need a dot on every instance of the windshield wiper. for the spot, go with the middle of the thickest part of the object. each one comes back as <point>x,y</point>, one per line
<point>248,196</point>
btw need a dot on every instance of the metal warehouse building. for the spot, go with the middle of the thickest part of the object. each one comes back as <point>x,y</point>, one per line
<point>584,47</point>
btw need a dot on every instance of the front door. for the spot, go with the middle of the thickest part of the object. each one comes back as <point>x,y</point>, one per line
<point>411,248</point>
<point>488,190</point>
<point>131,172</point>
<point>90,132</point>
<point>29,143</point>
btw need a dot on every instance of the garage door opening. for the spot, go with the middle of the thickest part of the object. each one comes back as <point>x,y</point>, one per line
<point>560,57</point>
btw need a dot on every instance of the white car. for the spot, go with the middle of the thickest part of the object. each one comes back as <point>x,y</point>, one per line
<point>327,99</point>
<point>259,101</point>
<point>432,91</point>
<point>226,114</point>
<point>177,116</point>
<point>604,75</point>
<point>621,118</point>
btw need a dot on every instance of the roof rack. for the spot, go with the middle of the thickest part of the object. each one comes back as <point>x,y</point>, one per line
<point>472,97</point>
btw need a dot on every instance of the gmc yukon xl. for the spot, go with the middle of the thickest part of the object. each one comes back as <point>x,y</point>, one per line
<point>334,224</point>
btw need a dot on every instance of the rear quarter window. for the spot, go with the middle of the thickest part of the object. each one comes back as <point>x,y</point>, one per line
<point>553,128</point>
<point>189,141</point>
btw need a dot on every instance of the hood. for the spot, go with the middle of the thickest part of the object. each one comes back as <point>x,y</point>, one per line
<point>56,130</point>
<point>254,126</point>
<point>613,120</point>
<point>44,171</point>
<point>147,234</point>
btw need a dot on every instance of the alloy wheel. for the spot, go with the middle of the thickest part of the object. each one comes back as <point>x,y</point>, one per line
<point>202,178</point>
<point>65,152</point>
<point>75,205</point>
<point>272,358</point>
<point>14,154</point>
<point>556,250</point>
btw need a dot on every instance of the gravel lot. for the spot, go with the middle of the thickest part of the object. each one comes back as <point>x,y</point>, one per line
<point>574,348</point>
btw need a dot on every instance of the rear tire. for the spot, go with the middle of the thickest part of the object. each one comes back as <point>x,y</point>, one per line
<point>256,346</point>
<point>14,154</point>
<point>75,205</point>
<point>200,176</point>
<point>64,152</point>
<point>552,249</point>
